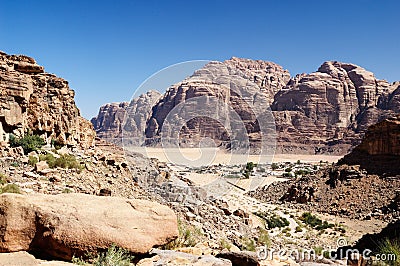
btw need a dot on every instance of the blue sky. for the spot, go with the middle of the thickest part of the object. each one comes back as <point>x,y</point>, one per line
<point>106,49</point>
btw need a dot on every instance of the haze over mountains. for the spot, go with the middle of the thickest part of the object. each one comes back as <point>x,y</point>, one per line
<point>327,111</point>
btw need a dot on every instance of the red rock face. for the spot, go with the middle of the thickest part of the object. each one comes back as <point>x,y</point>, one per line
<point>379,152</point>
<point>116,121</point>
<point>42,103</point>
<point>327,111</point>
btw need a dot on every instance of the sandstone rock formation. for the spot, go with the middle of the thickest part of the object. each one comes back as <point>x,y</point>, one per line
<point>379,152</point>
<point>64,225</point>
<point>125,120</point>
<point>227,102</point>
<point>327,111</point>
<point>108,122</point>
<point>39,102</point>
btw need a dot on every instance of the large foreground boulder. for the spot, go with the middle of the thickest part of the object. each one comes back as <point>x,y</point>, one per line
<point>23,258</point>
<point>67,225</point>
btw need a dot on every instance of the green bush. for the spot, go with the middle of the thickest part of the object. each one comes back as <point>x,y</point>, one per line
<point>64,161</point>
<point>248,244</point>
<point>28,142</point>
<point>10,188</point>
<point>264,238</point>
<point>32,160</point>
<point>389,247</point>
<point>315,222</point>
<point>274,166</point>
<point>224,244</point>
<point>301,172</point>
<point>248,169</point>
<point>273,221</point>
<point>114,256</point>
<point>3,179</point>
<point>298,229</point>
<point>188,236</point>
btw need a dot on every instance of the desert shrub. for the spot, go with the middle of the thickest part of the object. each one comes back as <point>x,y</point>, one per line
<point>390,248</point>
<point>188,236</point>
<point>32,160</point>
<point>264,238</point>
<point>289,169</point>
<point>273,220</point>
<point>3,179</point>
<point>274,166</point>
<point>67,161</point>
<point>67,190</point>
<point>248,244</point>
<point>64,161</point>
<point>298,229</point>
<point>224,244</point>
<point>301,172</point>
<point>315,222</point>
<point>49,158</point>
<point>248,169</point>
<point>115,256</point>
<point>232,176</point>
<point>28,142</point>
<point>286,175</point>
<point>10,188</point>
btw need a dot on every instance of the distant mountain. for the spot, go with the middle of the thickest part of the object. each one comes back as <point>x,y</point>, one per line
<point>327,111</point>
<point>110,124</point>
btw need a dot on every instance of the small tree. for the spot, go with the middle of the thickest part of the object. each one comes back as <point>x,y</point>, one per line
<point>29,142</point>
<point>248,169</point>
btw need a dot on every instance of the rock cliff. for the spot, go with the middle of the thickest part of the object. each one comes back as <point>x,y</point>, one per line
<point>39,102</point>
<point>219,102</point>
<point>125,120</point>
<point>327,111</point>
<point>379,152</point>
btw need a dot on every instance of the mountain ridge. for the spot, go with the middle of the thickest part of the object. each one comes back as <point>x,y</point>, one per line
<point>326,111</point>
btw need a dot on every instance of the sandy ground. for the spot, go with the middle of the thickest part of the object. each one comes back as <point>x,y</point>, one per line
<point>196,157</point>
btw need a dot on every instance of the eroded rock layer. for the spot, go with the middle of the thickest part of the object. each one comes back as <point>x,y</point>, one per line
<point>327,111</point>
<point>42,103</point>
<point>379,152</point>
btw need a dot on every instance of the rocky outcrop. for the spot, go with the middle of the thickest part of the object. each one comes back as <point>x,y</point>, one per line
<point>64,225</point>
<point>343,190</point>
<point>39,102</point>
<point>329,110</point>
<point>108,122</point>
<point>379,152</point>
<point>225,101</point>
<point>125,120</point>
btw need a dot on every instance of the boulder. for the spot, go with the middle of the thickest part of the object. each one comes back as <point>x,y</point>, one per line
<point>170,257</point>
<point>64,225</point>
<point>243,258</point>
<point>23,258</point>
<point>40,166</point>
